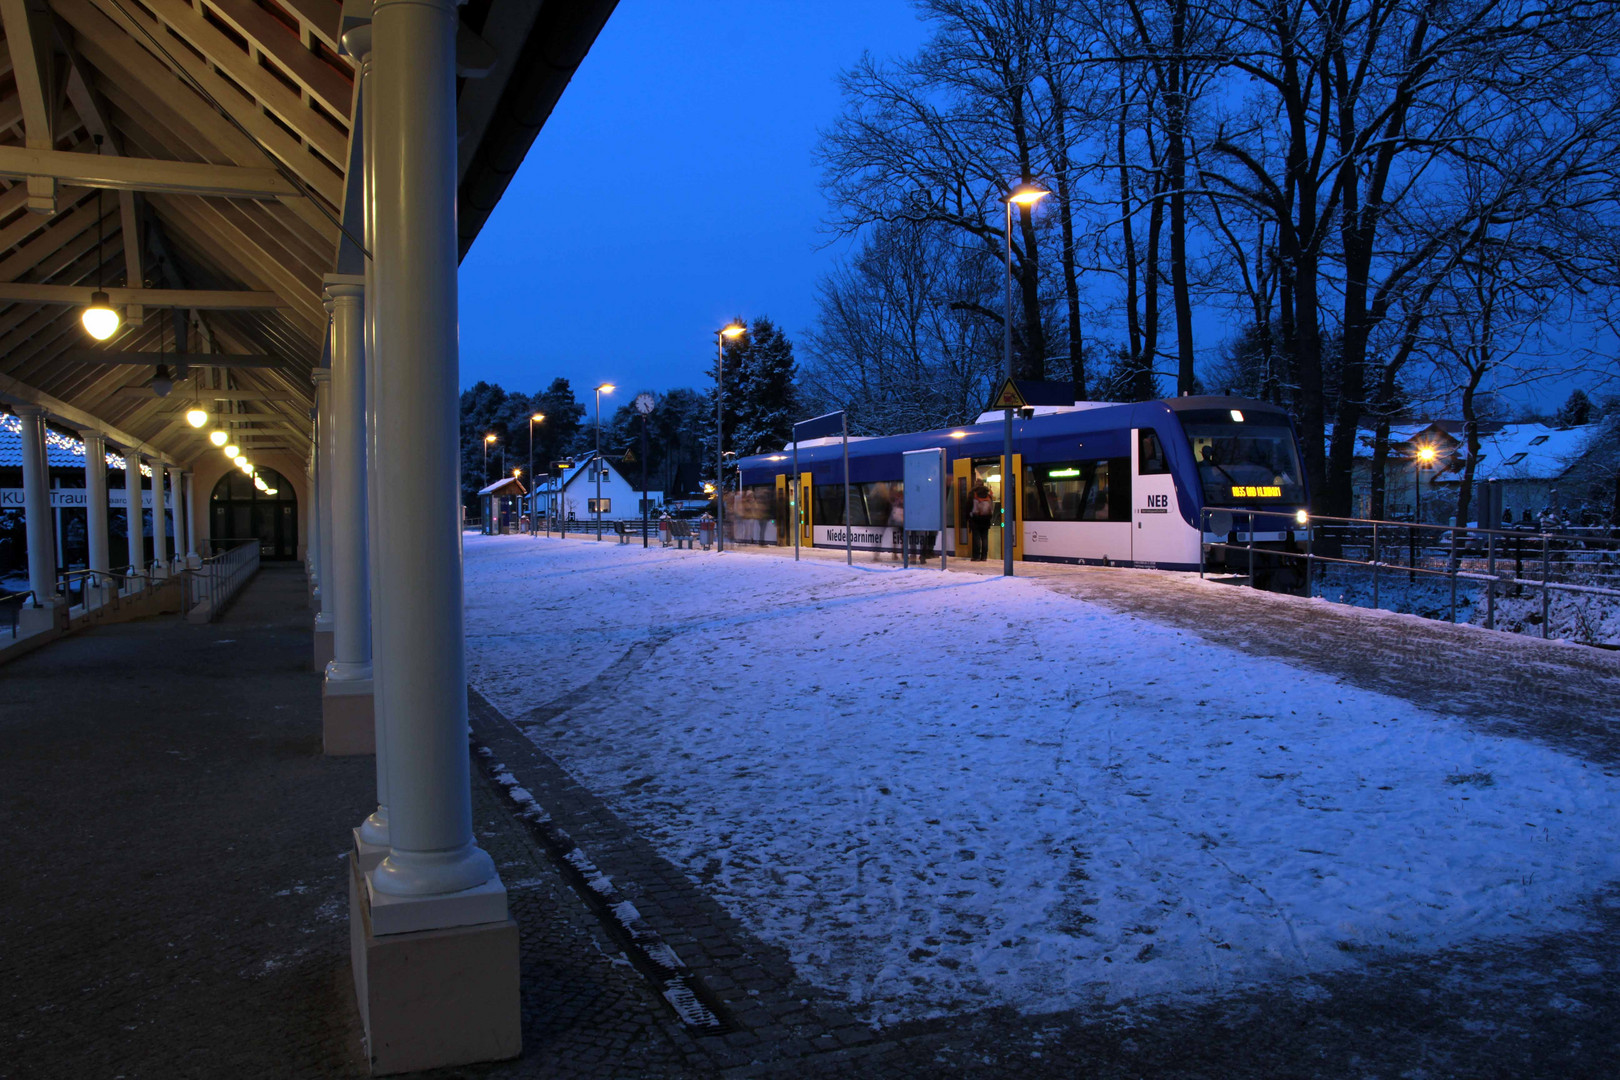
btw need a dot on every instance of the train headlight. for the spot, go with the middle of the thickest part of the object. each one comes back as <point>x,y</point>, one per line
<point>1302,516</point>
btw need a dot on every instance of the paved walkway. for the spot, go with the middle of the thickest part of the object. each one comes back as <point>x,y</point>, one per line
<point>173,894</point>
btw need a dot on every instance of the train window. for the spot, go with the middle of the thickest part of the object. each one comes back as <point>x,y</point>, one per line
<point>1078,491</point>
<point>1150,452</point>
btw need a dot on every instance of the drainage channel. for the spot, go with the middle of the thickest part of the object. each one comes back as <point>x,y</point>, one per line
<point>647,951</point>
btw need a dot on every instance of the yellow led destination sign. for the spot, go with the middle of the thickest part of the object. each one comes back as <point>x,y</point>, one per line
<point>1251,491</point>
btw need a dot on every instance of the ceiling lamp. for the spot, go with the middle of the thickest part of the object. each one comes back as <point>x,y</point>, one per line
<point>231,450</point>
<point>241,461</point>
<point>197,416</point>
<point>100,318</point>
<point>218,436</point>
<point>258,482</point>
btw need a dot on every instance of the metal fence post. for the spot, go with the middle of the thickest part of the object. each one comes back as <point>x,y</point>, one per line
<point>1546,548</point>
<point>1203,546</point>
<point>1375,563</point>
<point>1490,586</point>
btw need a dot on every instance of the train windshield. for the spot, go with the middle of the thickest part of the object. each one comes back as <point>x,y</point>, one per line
<point>1244,459</point>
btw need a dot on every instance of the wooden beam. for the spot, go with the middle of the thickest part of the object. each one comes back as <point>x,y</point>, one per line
<point>146,174</point>
<point>130,72</point>
<point>33,61</point>
<point>17,292</point>
<point>131,356</point>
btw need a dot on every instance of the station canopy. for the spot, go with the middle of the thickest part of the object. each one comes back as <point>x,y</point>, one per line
<point>211,208</point>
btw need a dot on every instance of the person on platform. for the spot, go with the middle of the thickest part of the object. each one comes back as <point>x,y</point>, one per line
<point>981,508</point>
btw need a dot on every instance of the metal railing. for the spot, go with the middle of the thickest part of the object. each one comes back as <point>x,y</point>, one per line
<point>209,587</point>
<point>1497,563</point>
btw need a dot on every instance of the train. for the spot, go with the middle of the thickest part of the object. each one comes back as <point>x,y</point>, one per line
<point>1143,484</point>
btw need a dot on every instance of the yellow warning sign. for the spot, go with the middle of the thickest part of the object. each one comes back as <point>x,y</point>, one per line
<point>1008,397</point>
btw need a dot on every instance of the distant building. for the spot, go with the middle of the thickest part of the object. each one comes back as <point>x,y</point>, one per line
<point>621,495</point>
<point>1539,466</point>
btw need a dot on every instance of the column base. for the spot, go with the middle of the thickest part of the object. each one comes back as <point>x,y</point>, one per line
<point>348,717</point>
<point>193,561</point>
<point>323,650</point>
<point>365,855</point>
<point>434,998</point>
<point>33,620</point>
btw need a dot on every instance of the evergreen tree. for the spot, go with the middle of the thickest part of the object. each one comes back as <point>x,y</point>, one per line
<point>770,398</point>
<point>1576,411</point>
<point>482,407</point>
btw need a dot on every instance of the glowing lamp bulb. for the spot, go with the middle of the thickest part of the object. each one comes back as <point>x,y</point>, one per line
<point>1302,516</point>
<point>232,450</point>
<point>100,319</point>
<point>217,437</point>
<point>1028,195</point>
<point>196,416</point>
<point>241,461</point>
<point>734,330</point>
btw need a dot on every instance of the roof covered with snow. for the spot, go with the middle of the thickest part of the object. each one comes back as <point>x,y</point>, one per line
<point>62,451</point>
<point>1532,451</point>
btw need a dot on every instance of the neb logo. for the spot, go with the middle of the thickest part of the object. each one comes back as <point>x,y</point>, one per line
<point>1161,501</point>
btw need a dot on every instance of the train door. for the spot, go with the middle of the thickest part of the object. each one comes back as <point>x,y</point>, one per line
<point>988,471</point>
<point>807,512</point>
<point>1158,535</point>
<point>784,512</point>
<point>962,484</point>
<point>1017,501</point>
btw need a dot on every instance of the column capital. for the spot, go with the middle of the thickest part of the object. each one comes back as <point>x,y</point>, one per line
<point>356,39</point>
<point>320,376</point>
<point>339,286</point>
<point>29,411</point>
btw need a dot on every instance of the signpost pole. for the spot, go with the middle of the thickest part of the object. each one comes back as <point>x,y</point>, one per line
<point>849,545</point>
<point>793,493</point>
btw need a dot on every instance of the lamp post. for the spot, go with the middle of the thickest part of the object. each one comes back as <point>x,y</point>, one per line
<point>1423,456</point>
<point>1025,195</point>
<point>534,529</point>
<point>483,478</point>
<point>731,330</point>
<point>644,405</point>
<point>605,388</point>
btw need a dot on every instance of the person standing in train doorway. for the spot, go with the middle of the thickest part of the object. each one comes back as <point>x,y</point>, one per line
<point>981,508</point>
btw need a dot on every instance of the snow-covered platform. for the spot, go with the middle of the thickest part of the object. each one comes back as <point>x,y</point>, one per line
<point>1075,790</point>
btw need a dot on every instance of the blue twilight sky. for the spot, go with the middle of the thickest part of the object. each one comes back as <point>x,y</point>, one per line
<point>672,188</point>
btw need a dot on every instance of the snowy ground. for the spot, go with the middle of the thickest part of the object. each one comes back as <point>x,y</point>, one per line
<point>942,792</point>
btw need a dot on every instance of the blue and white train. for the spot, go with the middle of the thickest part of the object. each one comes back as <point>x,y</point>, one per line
<point>1107,484</point>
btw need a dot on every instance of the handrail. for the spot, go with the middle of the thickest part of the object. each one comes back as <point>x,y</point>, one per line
<point>1452,537</point>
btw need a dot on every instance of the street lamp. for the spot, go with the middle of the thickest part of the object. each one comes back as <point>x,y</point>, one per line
<point>605,388</point>
<point>730,330</point>
<point>483,478</point>
<point>534,530</point>
<point>1422,456</point>
<point>1025,195</point>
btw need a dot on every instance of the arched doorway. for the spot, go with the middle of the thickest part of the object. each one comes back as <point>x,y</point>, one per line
<point>238,509</point>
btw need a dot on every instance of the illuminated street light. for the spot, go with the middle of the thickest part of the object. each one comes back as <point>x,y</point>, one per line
<point>730,330</point>
<point>605,388</point>
<point>1025,195</point>
<point>535,493</point>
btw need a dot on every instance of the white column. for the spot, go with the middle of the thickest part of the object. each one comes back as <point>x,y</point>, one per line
<point>38,520</point>
<point>134,526</point>
<point>323,496</point>
<point>177,492</point>
<point>193,560</point>
<point>432,850</point>
<point>351,643</point>
<point>95,515</point>
<point>160,522</point>
<point>312,526</point>
<point>357,42</point>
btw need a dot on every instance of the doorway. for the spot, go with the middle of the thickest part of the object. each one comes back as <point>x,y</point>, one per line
<point>240,509</point>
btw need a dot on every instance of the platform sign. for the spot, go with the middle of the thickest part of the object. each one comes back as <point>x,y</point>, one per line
<point>925,486</point>
<point>1008,397</point>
